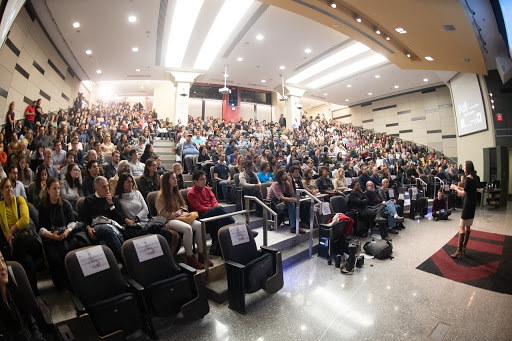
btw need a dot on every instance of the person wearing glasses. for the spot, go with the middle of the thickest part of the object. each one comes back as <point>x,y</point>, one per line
<point>17,186</point>
<point>150,180</point>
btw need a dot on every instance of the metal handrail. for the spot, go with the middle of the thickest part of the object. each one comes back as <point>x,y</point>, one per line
<point>265,221</point>
<point>435,184</point>
<point>312,198</point>
<point>423,182</point>
<point>203,233</point>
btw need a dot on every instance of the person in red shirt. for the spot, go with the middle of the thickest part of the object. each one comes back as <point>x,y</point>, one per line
<point>202,200</point>
<point>3,156</point>
<point>30,115</point>
<point>439,211</point>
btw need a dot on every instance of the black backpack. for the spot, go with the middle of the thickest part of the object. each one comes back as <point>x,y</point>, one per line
<point>380,249</point>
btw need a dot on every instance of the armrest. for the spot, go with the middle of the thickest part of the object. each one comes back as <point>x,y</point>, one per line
<point>326,226</point>
<point>267,249</point>
<point>134,284</point>
<point>234,266</point>
<point>188,270</point>
<point>78,304</point>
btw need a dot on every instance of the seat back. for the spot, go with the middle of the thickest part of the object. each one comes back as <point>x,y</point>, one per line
<point>241,253</point>
<point>184,193</point>
<point>232,171</point>
<point>237,180</point>
<point>151,203</point>
<point>34,214</point>
<point>80,209</point>
<point>243,152</point>
<point>264,189</point>
<point>98,286</point>
<point>337,203</point>
<point>137,181</point>
<point>23,294</point>
<point>107,159</point>
<point>30,192</point>
<point>320,217</point>
<point>152,270</point>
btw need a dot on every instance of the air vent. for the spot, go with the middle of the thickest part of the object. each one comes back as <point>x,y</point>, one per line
<point>449,27</point>
<point>138,76</point>
<point>222,81</point>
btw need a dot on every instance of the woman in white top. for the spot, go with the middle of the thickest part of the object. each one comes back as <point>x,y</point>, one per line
<point>340,183</point>
<point>71,185</point>
<point>107,147</point>
<point>132,202</point>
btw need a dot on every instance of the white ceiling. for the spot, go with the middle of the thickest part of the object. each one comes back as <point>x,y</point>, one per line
<point>106,31</point>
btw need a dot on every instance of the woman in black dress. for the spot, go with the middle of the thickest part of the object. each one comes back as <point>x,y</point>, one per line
<point>468,193</point>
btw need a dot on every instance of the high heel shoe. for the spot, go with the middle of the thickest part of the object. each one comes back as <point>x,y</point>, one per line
<point>466,240</point>
<point>191,260</point>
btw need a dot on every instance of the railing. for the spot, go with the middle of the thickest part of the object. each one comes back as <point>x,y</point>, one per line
<point>435,184</point>
<point>203,233</point>
<point>265,220</point>
<point>312,199</point>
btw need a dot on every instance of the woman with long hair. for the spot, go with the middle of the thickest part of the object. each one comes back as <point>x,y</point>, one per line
<point>71,185</point>
<point>340,183</point>
<point>148,153</point>
<point>171,205</point>
<point>26,175</point>
<point>38,191</point>
<point>150,180</point>
<point>9,122</point>
<point>133,204</point>
<point>177,168</point>
<point>468,193</point>
<point>53,230</point>
<point>265,175</point>
<point>107,147</point>
<point>308,183</point>
<point>13,146</point>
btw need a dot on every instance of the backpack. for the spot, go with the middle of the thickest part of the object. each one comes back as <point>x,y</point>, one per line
<point>380,249</point>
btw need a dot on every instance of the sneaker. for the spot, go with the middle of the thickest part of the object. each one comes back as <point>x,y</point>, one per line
<point>393,231</point>
<point>387,239</point>
<point>436,219</point>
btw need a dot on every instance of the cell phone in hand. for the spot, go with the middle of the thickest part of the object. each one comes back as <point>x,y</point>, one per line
<point>61,231</point>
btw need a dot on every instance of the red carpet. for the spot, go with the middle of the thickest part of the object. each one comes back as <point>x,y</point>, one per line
<point>487,263</point>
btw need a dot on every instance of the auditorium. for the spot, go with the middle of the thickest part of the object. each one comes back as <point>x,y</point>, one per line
<point>255,170</point>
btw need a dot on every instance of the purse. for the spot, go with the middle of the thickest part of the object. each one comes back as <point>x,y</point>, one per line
<point>189,218</point>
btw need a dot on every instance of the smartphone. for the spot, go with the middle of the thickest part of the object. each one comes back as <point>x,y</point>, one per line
<point>61,231</point>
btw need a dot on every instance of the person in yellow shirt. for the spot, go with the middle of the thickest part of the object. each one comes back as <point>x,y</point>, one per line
<point>15,241</point>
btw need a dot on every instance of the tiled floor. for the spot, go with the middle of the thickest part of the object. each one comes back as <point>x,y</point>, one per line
<point>384,300</point>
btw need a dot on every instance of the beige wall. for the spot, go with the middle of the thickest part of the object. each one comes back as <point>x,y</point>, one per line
<point>424,118</point>
<point>164,100</point>
<point>326,110</point>
<point>33,45</point>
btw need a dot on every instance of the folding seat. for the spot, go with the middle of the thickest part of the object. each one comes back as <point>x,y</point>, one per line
<point>106,305</point>
<point>248,269</point>
<point>166,289</point>
<point>215,183</point>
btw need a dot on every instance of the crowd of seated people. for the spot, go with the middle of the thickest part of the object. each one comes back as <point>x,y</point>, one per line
<point>96,154</point>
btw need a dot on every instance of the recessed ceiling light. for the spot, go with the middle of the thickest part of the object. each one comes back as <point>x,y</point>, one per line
<point>429,58</point>
<point>137,70</point>
<point>325,93</point>
<point>308,50</point>
<point>76,24</point>
<point>231,12</point>
<point>132,18</point>
<point>260,37</point>
<point>98,71</point>
<point>377,31</point>
<point>349,86</point>
<point>329,62</point>
<point>388,38</point>
<point>333,4</point>
<point>358,19</point>
<point>239,59</point>
<point>425,79</point>
<point>88,52</point>
<point>396,86</point>
<point>377,76</point>
<point>263,81</point>
<point>408,55</point>
<point>347,100</point>
<point>369,94</point>
<point>183,22</point>
<point>135,49</point>
<point>142,87</point>
<point>282,67</point>
<point>400,30</point>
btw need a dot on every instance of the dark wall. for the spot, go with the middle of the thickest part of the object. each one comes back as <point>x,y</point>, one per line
<point>502,96</point>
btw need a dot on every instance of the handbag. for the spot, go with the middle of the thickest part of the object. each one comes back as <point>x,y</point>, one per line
<point>188,218</point>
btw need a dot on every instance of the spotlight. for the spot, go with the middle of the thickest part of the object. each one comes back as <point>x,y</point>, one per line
<point>408,55</point>
<point>377,31</point>
<point>387,38</point>
<point>333,4</point>
<point>358,18</point>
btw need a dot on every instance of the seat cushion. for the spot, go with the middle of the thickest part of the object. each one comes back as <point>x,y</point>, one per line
<point>117,313</point>
<point>257,271</point>
<point>167,296</point>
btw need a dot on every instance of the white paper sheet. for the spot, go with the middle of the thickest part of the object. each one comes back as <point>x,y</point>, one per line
<point>92,260</point>
<point>414,192</point>
<point>148,248</point>
<point>349,181</point>
<point>379,162</point>
<point>391,193</point>
<point>238,234</point>
<point>326,208</point>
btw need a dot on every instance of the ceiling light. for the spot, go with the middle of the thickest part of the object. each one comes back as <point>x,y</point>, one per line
<point>135,49</point>
<point>348,70</point>
<point>239,59</point>
<point>132,18</point>
<point>282,67</point>
<point>425,79</point>
<point>325,93</point>
<point>308,50</point>
<point>400,30</point>
<point>429,58</point>
<point>387,38</point>
<point>349,86</point>
<point>396,87</point>
<point>490,94</point>
<point>358,19</point>
<point>76,24</point>
<point>338,57</point>
<point>369,94</point>
<point>183,22</point>
<point>377,31</point>
<point>377,76</point>
<point>333,4</point>
<point>260,37</point>
<point>226,21</point>
<point>408,55</point>
<point>88,52</point>
<point>347,100</point>
<point>492,101</point>
<point>142,87</point>
<point>263,81</point>
<point>98,71</point>
<point>137,70</point>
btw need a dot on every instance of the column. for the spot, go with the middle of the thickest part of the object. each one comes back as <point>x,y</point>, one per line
<point>292,109</point>
<point>164,96</point>
<point>183,81</point>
